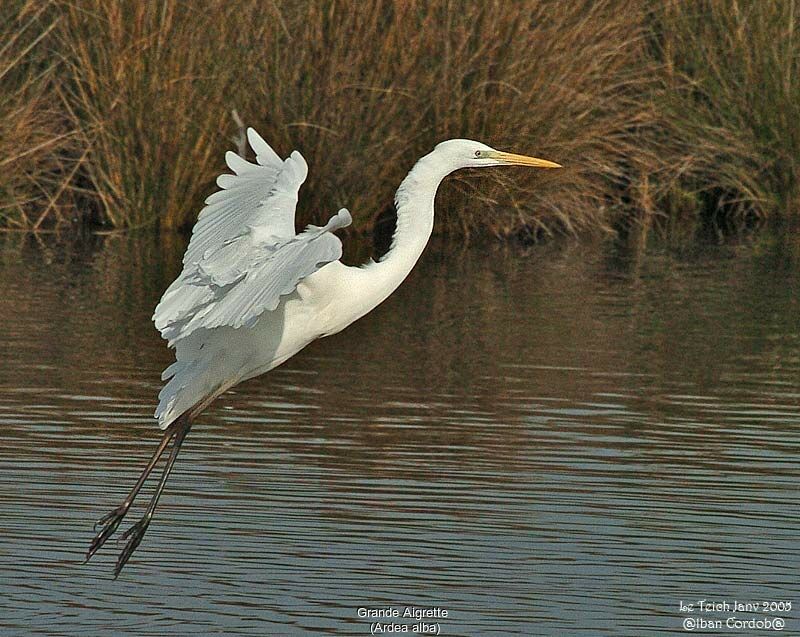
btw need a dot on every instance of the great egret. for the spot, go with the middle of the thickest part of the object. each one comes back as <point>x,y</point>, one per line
<point>253,293</point>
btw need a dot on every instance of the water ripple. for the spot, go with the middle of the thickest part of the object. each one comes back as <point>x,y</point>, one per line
<point>539,446</point>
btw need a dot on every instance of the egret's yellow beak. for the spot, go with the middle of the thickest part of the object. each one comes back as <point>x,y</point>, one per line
<point>523,160</point>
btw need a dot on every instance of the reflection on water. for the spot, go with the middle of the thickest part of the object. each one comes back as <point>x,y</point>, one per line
<point>543,442</point>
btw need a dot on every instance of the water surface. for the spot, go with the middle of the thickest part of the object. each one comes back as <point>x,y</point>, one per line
<point>543,442</point>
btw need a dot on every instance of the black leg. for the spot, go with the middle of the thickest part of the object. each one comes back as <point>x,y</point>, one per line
<point>111,520</point>
<point>135,534</point>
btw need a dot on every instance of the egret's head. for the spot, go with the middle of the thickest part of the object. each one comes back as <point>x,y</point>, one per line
<point>465,153</point>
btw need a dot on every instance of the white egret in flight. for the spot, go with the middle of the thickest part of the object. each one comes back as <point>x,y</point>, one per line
<point>253,293</point>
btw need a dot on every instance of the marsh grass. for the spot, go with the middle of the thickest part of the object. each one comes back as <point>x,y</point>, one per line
<point>363,93</point>
<point>732,104</point>
<point>36,140</point>
<point>149,86</point>
<point>132,102</point>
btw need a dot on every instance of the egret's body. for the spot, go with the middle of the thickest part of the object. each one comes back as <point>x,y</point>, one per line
<point>253,293</point>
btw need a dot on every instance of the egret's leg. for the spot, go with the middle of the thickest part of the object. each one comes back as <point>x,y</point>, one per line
<point>111,520</point>
<point>135,534</point>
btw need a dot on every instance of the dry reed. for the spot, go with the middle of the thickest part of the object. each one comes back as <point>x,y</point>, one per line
<point>635,101</point>
<point>36,140</point>
<point>731,104</point>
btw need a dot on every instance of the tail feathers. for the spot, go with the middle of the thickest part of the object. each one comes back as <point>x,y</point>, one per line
<point>207,364</point>
<point>184,390</point>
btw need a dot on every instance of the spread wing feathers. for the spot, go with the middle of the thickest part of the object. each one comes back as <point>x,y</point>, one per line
<point>244,254</point>
<point>262,196</point>
<point>236,292</point>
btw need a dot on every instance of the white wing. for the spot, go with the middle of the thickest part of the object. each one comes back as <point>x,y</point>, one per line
<point>244,254</point>
<point>262,195</point>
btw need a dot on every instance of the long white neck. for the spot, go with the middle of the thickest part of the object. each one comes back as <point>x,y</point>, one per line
<point>414,203</point>
<point>354,291</point>
<point>362,289</point>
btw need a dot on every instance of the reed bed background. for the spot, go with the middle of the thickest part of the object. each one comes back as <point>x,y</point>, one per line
<point>118,112</point>
<point>731,103</point>
<point>37,142</point>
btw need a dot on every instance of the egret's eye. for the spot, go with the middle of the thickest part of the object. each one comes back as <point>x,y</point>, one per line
<point>478,153</point>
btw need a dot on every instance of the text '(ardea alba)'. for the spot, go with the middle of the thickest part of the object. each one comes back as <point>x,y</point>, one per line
<point>253,293</point>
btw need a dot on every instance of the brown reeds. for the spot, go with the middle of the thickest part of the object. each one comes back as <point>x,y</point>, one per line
<point>132,127</point>
<point>149,84</point>
<point>365,93</point>
<point>36,140</point>
<point>731,104</point>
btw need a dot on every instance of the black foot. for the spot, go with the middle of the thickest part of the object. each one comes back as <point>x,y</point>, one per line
<point>135,533</point>
<point>109,522</point>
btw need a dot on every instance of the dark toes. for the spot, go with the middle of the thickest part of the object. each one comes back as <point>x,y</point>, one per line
<point>110,523</point>
<point>135,533</point>
<point>118,512</point>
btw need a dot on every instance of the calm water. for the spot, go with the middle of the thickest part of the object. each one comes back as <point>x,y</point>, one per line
<point>540,443</point>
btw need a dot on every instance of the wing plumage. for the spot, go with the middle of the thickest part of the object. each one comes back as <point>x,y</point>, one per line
<point>244,254</point>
